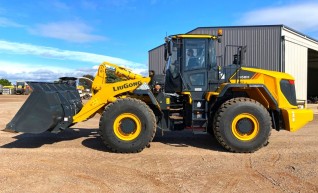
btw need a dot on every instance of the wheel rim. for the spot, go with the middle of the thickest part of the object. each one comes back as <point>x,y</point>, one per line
<point>127,126</point>
<point>245,127</point>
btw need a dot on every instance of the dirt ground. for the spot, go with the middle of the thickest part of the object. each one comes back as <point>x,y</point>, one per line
<point>77,161</point>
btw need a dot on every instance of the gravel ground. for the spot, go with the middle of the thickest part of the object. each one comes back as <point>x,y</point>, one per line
<point>77,161</point>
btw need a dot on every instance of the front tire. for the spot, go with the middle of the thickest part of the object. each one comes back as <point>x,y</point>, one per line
<point>242,125</point>
<point>127,126</point>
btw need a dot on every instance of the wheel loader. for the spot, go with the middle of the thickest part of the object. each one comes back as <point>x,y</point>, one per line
<point>238,105</point>
<point>22,88</point>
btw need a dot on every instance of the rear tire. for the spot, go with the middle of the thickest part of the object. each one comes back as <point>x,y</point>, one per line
<point>242,125</point>
<point>127,126</point>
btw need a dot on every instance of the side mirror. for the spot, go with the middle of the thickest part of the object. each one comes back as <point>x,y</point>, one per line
<point>235,59</point>
<point>241,54</point>
<point>243,51</point>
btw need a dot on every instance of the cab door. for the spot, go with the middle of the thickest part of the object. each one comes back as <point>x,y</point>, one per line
<point>194,69</point>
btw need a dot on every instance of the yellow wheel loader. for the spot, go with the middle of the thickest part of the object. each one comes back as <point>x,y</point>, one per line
<point>238,105</point>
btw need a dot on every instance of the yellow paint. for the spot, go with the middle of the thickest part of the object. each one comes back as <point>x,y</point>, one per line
<point>271,79</point>
<point>199,36</point>
<point>10,87</point>
<point>220,32</point>
<point>208,95</point>
<point>245,136</point>
<point>118,130</point>
<point>189,95</point>
<point>294,119</point>
<point>104,93</point>
<point>168,101</point>
<point>80,87</point>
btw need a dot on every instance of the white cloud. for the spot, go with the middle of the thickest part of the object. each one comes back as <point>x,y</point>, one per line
<point>72,31</point>
<point>5,22</point>
<point>54,53</point>
<point>14,71</point>
<point>299,16</point>
<point>14,67</point>
<point>30,72</point>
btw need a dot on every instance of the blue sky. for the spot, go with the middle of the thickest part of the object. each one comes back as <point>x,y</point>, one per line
<point>42,40</point>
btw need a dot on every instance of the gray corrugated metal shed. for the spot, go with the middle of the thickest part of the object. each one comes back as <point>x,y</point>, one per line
<point>272,47</point>
<point>264,46</point>
<point>264,54</point>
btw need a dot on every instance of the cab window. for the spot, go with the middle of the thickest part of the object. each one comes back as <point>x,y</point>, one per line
<point>195,54</point>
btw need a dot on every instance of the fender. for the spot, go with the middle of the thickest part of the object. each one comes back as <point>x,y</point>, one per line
<point>262,87</point>
<point>261,95</point>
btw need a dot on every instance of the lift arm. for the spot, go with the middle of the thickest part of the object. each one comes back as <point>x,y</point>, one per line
<point>104,93</point>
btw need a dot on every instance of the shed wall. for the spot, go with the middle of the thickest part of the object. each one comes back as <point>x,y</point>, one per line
<point>263,47</point>
<point>296,59</point>
<point>156,59</point>
<point>296,65</point>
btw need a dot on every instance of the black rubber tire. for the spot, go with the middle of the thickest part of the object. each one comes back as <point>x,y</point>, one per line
<point>222,125</point>
<point>132,106</point>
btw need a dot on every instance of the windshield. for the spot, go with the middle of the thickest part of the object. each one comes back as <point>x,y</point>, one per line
<point>195,54</point>
<point>199,54</point>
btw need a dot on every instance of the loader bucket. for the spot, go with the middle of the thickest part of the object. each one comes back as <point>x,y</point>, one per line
<point>50,107</point>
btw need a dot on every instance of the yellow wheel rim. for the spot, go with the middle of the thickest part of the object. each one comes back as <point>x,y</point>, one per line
<point>245,127</point>
<point>127,126</point>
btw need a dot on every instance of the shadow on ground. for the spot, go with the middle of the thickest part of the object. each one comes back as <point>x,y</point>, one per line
<point>27,140</point>
<point>187,138</point>
<point>91,139</point>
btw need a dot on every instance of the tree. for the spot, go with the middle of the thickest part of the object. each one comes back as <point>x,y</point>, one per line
<point>111,77</point>
<point>5,82</point>
<point>89,76</point>
<point>86,83</point>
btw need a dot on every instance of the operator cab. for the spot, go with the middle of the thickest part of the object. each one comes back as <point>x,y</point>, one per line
<point>191,62</point>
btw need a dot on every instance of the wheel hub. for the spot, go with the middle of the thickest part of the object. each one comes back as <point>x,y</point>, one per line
<point>245,126</point>
<point>127,126</point>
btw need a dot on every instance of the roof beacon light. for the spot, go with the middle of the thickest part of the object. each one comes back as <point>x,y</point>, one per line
<point>220,32</point>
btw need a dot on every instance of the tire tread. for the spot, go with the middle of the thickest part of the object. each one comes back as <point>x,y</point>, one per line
<point>109,108</point>
<point>220,113</point>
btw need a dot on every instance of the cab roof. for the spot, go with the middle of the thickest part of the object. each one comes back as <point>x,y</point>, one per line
<point>194,36</point>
